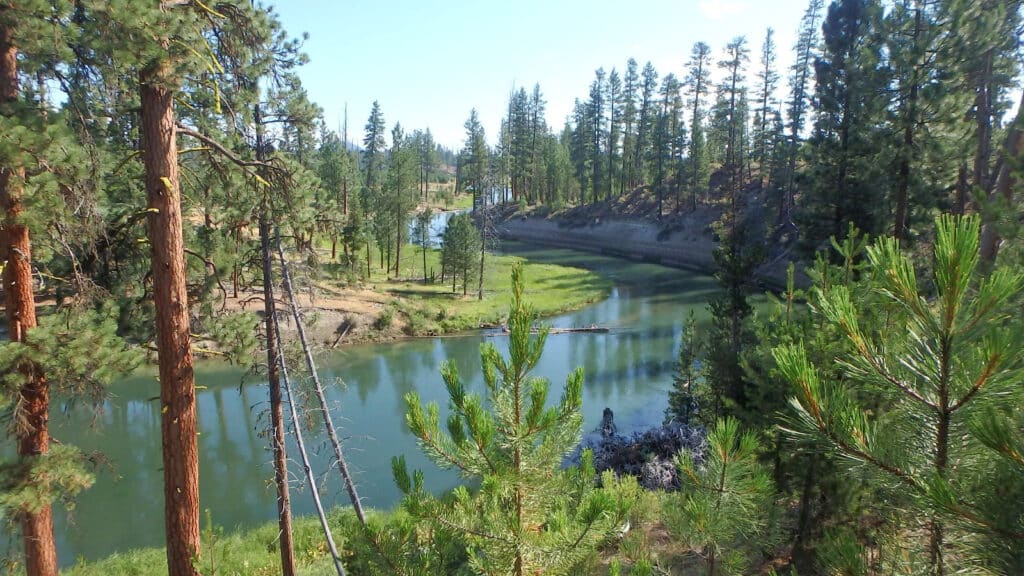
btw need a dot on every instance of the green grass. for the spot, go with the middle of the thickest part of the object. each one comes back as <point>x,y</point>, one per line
<point>252,552</point>
<point>255,552</point>
<point>462,202</point>
<point>432,308</point>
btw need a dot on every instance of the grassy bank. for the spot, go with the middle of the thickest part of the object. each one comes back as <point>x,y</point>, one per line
<point>412,306</point>
<point>255,552</point>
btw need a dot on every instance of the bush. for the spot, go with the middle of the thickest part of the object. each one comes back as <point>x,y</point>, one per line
<point>384,319</point>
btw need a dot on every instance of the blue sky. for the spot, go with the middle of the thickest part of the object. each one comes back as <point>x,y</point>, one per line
<point>428,63</point>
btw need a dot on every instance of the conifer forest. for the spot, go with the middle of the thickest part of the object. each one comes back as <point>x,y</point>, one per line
<point>758,313</point>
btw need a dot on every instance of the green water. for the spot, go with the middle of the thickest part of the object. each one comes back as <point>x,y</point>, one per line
<point>628,369</point>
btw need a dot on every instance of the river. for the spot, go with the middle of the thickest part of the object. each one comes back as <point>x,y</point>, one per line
<point>628,369</point>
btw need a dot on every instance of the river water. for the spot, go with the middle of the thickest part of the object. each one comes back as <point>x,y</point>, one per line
<point>628,369</point>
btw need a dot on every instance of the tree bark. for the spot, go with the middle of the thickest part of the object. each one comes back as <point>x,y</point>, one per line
<point>284,504</point>
<point>178,424</point>
<point>19,303</point>
<point>284,508</point>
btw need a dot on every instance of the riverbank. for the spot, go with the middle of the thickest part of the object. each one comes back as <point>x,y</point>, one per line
<point>385,307</point>
<point>255,552</point>
<point>626,369</point>
<point>685,240</point>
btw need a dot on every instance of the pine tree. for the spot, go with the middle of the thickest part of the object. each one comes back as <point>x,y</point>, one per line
<point>734,93</point>
<point>335,171</point>
<point>518,150</point>
<point>801,73</point>
<point>768,81</point>
<point>648,116</point>
<point>400,189</point>
<point>475,158</point>
<point>698,83</point>
<point>538,130</point>
<point>845,181</point>
<point>724,502</point>
<point>580,145</point>
<point>596,106</point>
<point>529,515</point>
<point>32,409</point>
<point>459,245</point>
<point>667,135</point>
<point>614,130</point>
<point>687,394</point>
<point>161,64</point>
<point>951,358</point>
<point>421,235</point>
<point>629,124</point>
<point>373,149</point>
<point>426,151</point>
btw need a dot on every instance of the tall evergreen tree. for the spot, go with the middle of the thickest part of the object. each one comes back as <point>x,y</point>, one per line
<point>373,149</point>
<point>400,189</point>
<point>159,77</point>
<point>698,83</point>
<point>768,81</point>
<point>580,146</point>
<point>631,84</point>
<point>733,92</point>
<point>614,130</point>
<point>666,147</point>
<point>596,106</point>
<point>426,154</point>
<point>19,304</point>
<point>845,181</point>
<point>475,158</point>
<point>459,246</point>
<point>648,115</point>
<point>926,114</point>
<point>801,73</point>
<point>538,129</point>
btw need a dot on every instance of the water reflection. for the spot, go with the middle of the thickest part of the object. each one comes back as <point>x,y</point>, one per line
<point>628,369</point>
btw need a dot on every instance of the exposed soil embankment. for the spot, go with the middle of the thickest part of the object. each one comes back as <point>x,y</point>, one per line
<point>684,241</point>
<point>636,239</point>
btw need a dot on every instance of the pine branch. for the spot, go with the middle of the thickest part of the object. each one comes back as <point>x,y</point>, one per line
<point>990,367</point>
<point>220,148</point>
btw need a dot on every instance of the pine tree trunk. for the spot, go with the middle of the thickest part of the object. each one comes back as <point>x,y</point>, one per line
<point>398,249</point>
<point>19,303</point>
<point>983,118</point>
<point>962,190</point>
<point>177,380</point>
<point>899,229</point>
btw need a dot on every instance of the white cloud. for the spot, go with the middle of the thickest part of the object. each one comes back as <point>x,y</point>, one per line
<point>721,9</point>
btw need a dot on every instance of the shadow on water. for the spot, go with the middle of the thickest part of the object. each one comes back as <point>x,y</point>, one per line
<point>628,369</point>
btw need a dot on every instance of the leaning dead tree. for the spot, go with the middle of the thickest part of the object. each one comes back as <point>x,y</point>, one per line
<point>300,443</point>
<point>318,388</point>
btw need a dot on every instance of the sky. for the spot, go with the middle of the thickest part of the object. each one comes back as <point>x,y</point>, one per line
<point>428,62</point>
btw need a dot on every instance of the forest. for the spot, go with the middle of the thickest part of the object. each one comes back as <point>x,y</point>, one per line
<point>849,399</point>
